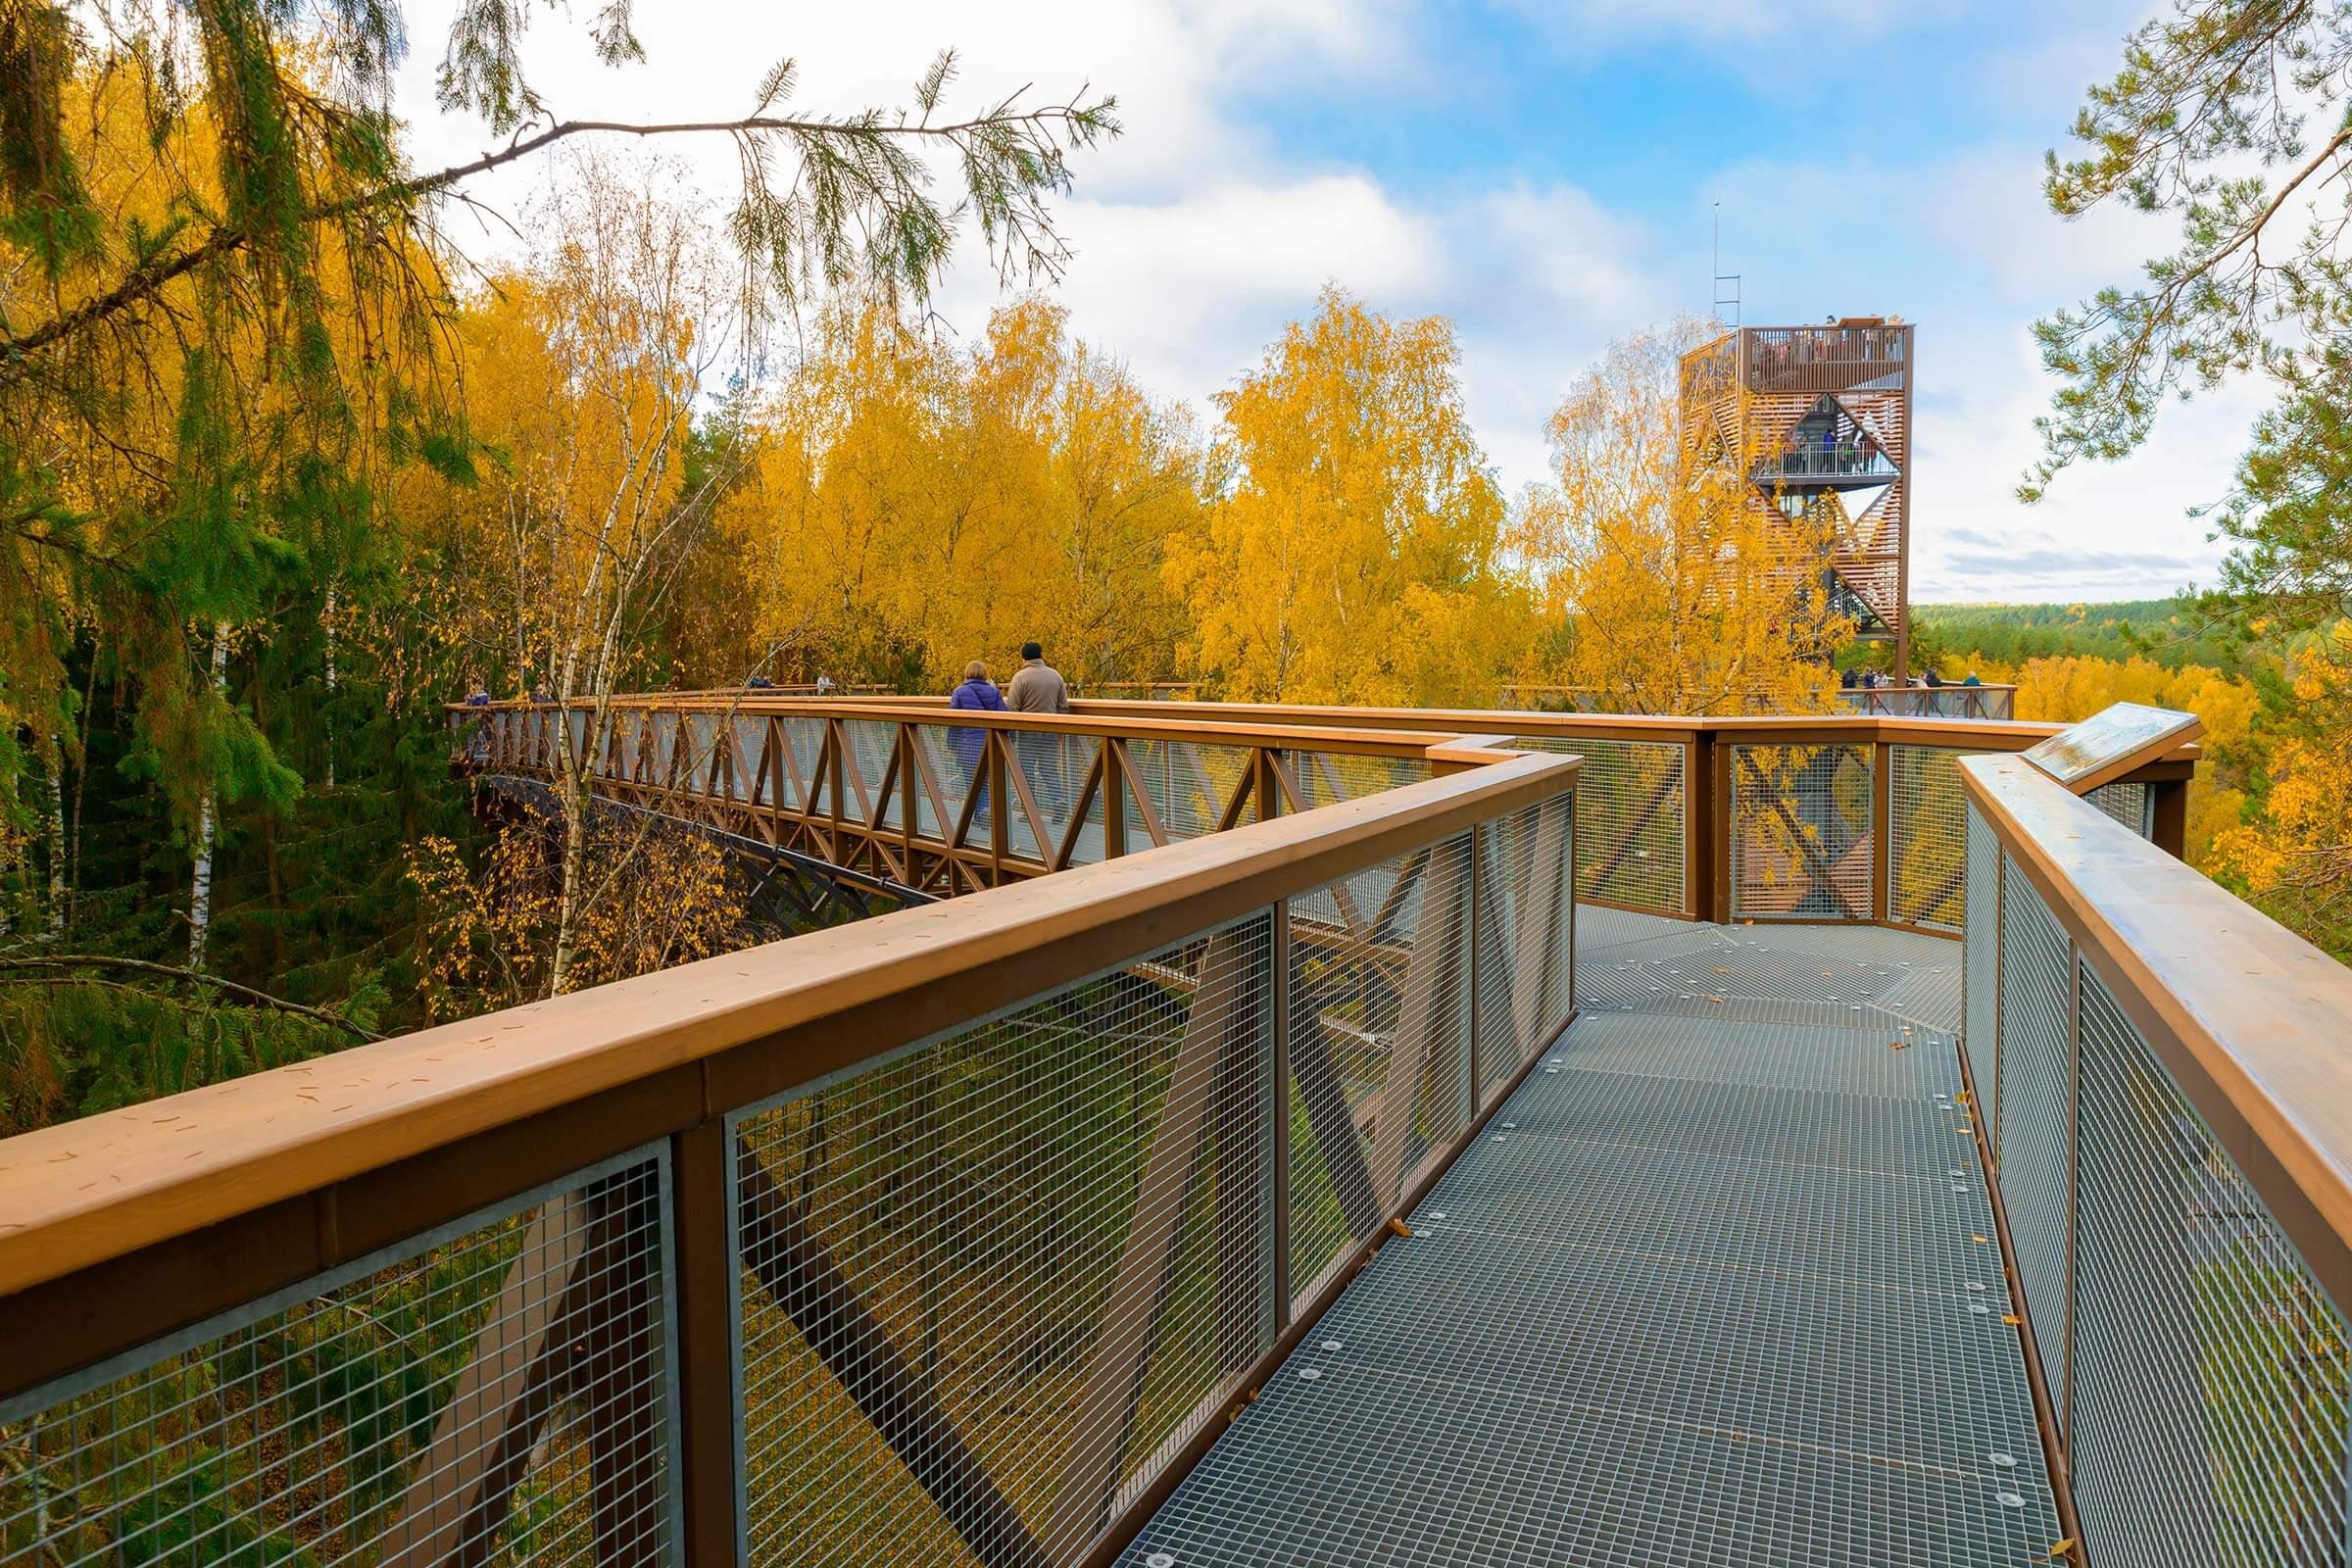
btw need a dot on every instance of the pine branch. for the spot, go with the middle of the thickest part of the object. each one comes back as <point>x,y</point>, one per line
<point>145,280</point>
<point>100,961</point>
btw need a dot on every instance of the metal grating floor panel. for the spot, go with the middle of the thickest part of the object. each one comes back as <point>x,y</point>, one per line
<point>1710,1288</point>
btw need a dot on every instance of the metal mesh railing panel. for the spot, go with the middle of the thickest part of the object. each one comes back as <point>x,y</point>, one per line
<point>664,743</point>
<point>952,757</point>
<point>1326,778</point>
<point>1800,832</point>
<point>1526,950</point>
<point>621,756</point>
<point>865,765</point>
<point>494,1393</point>
<point>990,1283</point>
<point>2209,1393</point>
<point>1054,768</point>
<point>1380,1037</point>
<point>1981,966</point>
<point>2127,803</point>
<point>1926,836</point>
<point>745,739</point>
<point>805,741</point>
<point>2033,1134</point>
<point>1629,823</point>
<point>1188,784</point>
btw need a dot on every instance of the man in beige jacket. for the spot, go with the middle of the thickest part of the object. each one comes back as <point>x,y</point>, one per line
<point>1037,687</point>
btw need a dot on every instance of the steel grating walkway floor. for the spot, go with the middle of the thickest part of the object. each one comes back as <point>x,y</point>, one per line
<point>1717,1285</point>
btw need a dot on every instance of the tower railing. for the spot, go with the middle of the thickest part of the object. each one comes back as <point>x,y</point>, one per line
<point>1821,358</point>
<point>1986,700</point>
<point>1811,462</point>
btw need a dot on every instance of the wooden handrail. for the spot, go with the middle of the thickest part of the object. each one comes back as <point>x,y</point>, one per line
<point>749,1024</point>
<point>1375,730</point>
<point>1793,729</point>
<point>1214,728</point>
<point>2253,1022</point>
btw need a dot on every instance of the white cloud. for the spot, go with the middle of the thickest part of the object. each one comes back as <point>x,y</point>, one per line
<point>1198,235</point>
<point>1195,239</point>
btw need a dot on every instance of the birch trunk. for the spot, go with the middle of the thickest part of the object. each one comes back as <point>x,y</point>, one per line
<point>329,770</point>
<point>56,842</point>
<point>200,894</point>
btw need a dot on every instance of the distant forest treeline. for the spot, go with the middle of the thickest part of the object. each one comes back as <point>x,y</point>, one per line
<point>2161,629</point>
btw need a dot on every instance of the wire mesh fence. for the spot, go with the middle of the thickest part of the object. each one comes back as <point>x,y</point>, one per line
<point>2126,802</point>
<point>1526,947</point>
<point>1326,778</point>
<point>1801,832</point>
<point>2200,1370</point>
<point>1189,784</point>
<point>987,1284</point>
<point>1379,1046</point>
<point>498,1392</point>
<point>1926,836</point>
<point>1631,826</point>
<point>2033,1134</point>
<point>1980,970</point>
<point>2209,1400</point>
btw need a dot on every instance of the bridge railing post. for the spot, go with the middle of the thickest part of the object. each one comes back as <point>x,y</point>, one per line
<point>1113,764</point>
<point>702,1199</point>
<point>1278,1186</point>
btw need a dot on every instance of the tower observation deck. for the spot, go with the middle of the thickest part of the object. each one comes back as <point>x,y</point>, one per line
<point>1820,417</point>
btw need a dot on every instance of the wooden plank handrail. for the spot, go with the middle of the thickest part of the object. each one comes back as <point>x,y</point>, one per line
<point>2253,1022</point>
<point>750,1024</point>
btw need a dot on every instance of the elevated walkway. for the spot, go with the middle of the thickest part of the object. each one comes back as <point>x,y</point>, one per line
<point>1253,1197</point>
<point>1719,1282</point>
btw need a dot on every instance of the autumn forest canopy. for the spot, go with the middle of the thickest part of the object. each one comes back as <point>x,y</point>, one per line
<point>285,470</point>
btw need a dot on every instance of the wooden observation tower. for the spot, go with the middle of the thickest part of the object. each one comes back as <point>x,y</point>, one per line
<point>1820,416</point>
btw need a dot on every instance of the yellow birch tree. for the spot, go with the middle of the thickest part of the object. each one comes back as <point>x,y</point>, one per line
<point>1672,590</point>
<point>1353,551</point>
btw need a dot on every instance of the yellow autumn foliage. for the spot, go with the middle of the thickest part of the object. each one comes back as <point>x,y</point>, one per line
<point>1351,551</point>
<point>1673,590</point>
<point>486,932</point>
<point>2296,857</point>
<point>912,506</point>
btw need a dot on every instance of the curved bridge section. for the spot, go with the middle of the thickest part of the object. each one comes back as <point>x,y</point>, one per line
<point>902,798</point>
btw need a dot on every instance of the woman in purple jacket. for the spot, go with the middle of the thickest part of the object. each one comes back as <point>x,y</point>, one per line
<point>977,691</point>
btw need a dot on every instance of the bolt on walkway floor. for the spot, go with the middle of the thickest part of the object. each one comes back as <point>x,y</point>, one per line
<point>1718,1285</point>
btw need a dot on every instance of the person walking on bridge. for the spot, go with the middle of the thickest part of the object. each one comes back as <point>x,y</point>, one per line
<point>971,745</point>
<point>1037,688</point>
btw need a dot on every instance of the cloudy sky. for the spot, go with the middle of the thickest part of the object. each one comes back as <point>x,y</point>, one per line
<point>1545,173</point>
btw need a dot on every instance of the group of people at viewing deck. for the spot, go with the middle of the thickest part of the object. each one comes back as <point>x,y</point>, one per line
<point>1831,453</point>
<point>1872,681</point>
